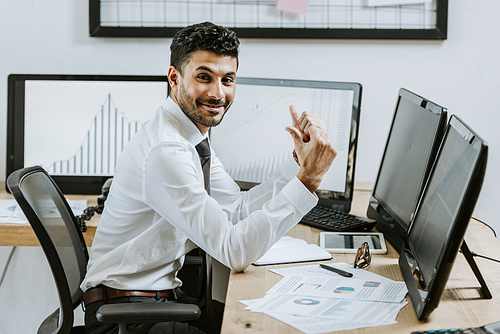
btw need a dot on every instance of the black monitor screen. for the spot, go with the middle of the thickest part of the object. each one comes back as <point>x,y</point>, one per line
<point>415,134</point>
<point>443,214</point>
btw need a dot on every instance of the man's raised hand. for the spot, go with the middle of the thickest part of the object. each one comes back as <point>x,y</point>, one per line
<point>312,146</point>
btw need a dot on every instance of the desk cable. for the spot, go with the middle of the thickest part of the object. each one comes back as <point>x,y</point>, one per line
<point>484,257</point>
<point>494,233</point>
<point>488,226</point>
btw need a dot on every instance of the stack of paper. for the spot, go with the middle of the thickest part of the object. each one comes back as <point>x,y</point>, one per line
<point>315,300</point>
<point>10,212</point>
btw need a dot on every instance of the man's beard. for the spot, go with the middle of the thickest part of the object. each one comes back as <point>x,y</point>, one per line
<point>194,114</point>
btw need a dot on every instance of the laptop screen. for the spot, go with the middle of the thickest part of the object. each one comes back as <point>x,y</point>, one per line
<point>252,141</point>
<point>442,215</point>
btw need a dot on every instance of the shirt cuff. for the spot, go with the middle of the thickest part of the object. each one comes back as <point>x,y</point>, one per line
<point>289,169</point>
<point>299,195</point>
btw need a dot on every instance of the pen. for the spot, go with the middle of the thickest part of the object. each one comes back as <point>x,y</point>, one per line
<point>335,270</point>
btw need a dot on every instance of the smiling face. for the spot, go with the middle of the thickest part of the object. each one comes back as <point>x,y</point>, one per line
<point>204,88</point>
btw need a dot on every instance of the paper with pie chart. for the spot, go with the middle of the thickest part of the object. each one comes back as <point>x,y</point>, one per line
<point>314,300</point>
<point>336,309</point>
<point>350,288</point>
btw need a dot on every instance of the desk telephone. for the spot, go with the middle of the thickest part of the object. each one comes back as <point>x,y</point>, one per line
<point>89,212</point>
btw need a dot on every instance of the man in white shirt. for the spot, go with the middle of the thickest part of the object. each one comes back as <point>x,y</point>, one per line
<point>158,209</point>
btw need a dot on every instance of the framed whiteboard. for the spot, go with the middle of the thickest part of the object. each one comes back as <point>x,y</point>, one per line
<point>324,19</point>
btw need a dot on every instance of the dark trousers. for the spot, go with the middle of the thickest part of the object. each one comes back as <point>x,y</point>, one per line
<point>200,326</point>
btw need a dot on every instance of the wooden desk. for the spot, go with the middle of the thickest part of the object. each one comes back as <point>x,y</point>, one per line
<point>460,305</point>
<point>23,235</point>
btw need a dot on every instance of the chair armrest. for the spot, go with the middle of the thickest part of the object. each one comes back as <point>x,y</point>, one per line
<point>147,312</point>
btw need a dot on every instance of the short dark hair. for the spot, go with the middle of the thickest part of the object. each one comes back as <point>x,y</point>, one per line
<point>204,36</point>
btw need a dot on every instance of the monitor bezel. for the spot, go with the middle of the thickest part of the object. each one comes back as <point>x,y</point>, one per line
<point>336,200</point>
<point>451,247</point>
<point>378,209</point>
<point>69,184</point>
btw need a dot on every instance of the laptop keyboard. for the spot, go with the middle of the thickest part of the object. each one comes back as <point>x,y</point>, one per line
<point>337,221</point>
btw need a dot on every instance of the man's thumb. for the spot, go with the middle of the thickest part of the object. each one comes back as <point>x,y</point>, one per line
<point>296,135</point>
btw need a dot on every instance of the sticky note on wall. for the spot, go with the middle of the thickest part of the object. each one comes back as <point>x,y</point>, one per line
<point>293,6</point>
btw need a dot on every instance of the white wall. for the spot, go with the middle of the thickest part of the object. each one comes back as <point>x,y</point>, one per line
<point>461,73</point>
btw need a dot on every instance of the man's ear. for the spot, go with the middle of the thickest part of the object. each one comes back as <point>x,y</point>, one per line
<point>172,77</point>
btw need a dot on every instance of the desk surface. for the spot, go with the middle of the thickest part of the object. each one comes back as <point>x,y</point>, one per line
<point>23,235</point>
<point>460,305</point>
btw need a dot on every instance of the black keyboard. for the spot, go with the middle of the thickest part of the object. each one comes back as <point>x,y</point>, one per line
<point>337,221</point>
<point>488,329</point>
<point>472,330</point>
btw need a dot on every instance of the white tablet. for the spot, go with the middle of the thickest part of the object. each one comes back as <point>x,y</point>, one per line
<point>349,242</point>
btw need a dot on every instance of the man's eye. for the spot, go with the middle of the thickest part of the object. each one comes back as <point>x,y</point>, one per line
<point>228,80</point>
<point>203,77</point>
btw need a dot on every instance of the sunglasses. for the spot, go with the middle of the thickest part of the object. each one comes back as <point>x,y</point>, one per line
<point>363,256</point>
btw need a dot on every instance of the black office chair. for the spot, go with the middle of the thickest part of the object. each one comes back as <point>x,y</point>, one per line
<point>57,231</point>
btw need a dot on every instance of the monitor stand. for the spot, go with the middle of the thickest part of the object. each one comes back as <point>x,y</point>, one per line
<point>485,292</point>
<point>392,233</point>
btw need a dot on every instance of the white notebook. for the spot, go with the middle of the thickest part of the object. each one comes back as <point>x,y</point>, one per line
<point>290,250</point>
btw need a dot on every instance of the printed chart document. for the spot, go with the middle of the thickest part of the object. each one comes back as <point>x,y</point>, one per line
<point>314,300</point>
<point>336,309</point>
<point>345,288</point>
<point>316,270</point>
<point>314,325</point>
<point>290,250</point>
<point>10,212</point>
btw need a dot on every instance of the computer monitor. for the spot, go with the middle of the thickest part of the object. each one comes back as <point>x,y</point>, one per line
<point>416,131</point>
<point>76,125</point>
<point>442,215</point>
<point>252,141</point>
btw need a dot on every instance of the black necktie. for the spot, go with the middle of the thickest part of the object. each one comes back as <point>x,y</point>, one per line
<point>203,149</point>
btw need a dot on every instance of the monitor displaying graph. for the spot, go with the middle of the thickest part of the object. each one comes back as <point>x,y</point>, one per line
<point>76,126</point>
<point>252,141</point>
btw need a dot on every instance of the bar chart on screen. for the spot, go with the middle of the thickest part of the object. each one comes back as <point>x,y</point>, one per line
<point>80,127</point>
<point>106,137</point>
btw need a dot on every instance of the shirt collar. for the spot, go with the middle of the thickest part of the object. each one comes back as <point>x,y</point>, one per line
<point>193,133</point>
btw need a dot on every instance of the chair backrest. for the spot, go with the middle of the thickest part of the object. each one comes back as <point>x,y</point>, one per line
<point>56,228</point>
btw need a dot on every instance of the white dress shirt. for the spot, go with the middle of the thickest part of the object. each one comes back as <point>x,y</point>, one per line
<point>158,210</point>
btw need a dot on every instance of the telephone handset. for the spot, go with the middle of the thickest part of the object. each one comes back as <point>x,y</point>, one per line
<point>89,212</point>
<point>104,192</point>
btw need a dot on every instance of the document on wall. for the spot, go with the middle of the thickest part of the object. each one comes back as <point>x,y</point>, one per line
<point>377,3</point>
<point>345,288</point>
